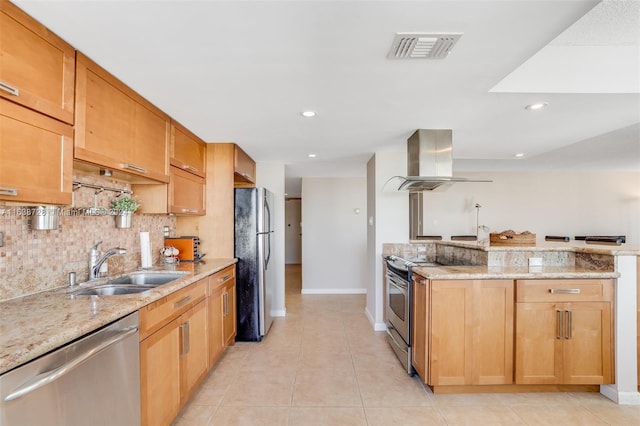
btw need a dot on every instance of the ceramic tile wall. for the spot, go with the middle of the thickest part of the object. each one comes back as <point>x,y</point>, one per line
<point>34,260</point>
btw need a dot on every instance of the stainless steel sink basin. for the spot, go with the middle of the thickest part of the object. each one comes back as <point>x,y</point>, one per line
<point>147,278</point>
<point>111,290</point>
<point>132,283</point>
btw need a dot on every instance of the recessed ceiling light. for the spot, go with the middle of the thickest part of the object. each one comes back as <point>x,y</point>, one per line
<point>536,106</point>
<point>308,114</point>
<point>312,155</point>
<point>519,155</point>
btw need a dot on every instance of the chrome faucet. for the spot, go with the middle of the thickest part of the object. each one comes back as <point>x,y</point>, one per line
<point>95,262</point>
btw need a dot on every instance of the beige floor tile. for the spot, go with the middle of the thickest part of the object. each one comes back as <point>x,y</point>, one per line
<point>481,415</point>
<point>591,399</point>
<point>567,415</point>
<point>197,414</point>
<point>403,416</point>
<point>619,415</point>
<point>322,359</point>
<point>271,361</point>
<point>208,395</point>
<point>389,388</point>
<point>326,388</point>
<point>466,399</point>
<point>251,416</point>
<point>265,389</point>
<point>330,416</point>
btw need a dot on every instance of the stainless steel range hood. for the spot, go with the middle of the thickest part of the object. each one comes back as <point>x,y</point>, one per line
<point>429,162</point>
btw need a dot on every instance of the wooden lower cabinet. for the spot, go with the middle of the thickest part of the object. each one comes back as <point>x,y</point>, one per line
<point>471,332</point>
<point>194,349</point>
<point>463,332</point>
<point>160,376</point>
<point>173,352</point>
<point>567,339</point>
<point>222,312</point>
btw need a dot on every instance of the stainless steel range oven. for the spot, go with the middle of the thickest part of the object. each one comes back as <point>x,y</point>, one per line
<point>398,308</point>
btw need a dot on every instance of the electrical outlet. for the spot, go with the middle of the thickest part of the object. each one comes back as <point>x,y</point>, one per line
<point>1,240</point>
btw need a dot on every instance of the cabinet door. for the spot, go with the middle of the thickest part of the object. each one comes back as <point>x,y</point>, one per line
<point>451,332</point>
<point>588,351</point>
<point>36,66</point>
<point>230,312</point>
<point>116,128</point>
<point>188,152</point>
<point>186,193</point>
<point>419,312</point>
<point>538,343</point>
<point>37,156</point>
<point>160,376</point>
<point>193,348</point>
<point>216,339</point>
<point>493,332</point>
<point>244,166</point>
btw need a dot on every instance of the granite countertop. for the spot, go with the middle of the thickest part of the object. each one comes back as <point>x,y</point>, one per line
<point>33,325</point>
<point>574,246</point>
<point>510,272</point>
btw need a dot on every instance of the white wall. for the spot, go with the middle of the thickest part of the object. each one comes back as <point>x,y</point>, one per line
<point>334,235</point>
<point>545,203</point>
<point>271,176</point>
<point>388,215</point>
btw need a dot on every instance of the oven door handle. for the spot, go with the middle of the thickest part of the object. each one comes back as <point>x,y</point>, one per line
<point>401,286</point>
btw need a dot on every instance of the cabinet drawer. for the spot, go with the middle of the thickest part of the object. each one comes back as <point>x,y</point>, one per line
<point>155,315</point>
<point>220,278</point>
<point>579,290</point>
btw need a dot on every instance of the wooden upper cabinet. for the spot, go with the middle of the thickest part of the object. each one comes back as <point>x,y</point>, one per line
<point>36,156</point>
<point>188,152</point>
<point>116,128</point>
<point>36,66</point>
<point>244,167</point>
<point>186,193</point>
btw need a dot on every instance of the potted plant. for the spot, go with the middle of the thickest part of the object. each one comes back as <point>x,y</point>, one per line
<point>124,206</point>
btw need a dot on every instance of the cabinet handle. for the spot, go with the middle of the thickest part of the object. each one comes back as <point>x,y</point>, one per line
<point>225,278</point>
<point>225,298</point>
<point>185,339</point>
<point>189,211</point>
<point>8,191</point>
<point>190,168</point>
<point>559,324</point>
<point>247,175</point>
<point>135,168</point>
<point>569,315</point>
<point>564,290</point>
<point>182,302</point>
<point>6,87</point>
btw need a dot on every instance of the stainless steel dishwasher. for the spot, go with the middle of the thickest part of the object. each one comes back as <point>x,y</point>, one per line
<point>92,381</point>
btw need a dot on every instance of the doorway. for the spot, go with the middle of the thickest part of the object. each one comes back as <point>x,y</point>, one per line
<point>293,231</point>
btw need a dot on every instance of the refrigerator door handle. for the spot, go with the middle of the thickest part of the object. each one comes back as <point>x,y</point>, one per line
<point>267,215</point>
<point>266,262</point>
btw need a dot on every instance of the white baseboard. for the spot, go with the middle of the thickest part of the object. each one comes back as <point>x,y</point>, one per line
<point>334,291</point>
<point>377,326</point>
<point>279,313</point>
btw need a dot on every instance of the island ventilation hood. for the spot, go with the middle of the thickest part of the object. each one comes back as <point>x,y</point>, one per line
<point>429,162</point>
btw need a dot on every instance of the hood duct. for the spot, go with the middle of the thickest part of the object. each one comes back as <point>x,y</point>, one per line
<point>429,162</point>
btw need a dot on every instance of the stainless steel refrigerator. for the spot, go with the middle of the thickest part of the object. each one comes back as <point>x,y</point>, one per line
<point>254,271</point>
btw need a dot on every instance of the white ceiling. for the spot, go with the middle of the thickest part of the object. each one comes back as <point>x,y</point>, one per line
<point>242,71</point>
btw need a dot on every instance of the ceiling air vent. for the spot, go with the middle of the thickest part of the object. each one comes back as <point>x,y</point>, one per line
<point>422,46</point>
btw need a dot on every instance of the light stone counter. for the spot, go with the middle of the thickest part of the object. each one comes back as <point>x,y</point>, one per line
<point>510,273</point>
<point>33,325</point>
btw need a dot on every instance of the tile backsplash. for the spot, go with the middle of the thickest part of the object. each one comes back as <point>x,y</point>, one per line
<point>32,260</point>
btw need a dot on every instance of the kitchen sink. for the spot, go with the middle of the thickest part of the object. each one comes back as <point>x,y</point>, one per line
<point>111,290</point>
<point>147,278</point>
<point>130,284</point>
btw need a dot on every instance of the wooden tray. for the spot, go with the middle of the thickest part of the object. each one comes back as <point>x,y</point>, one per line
<point>511,239</point>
